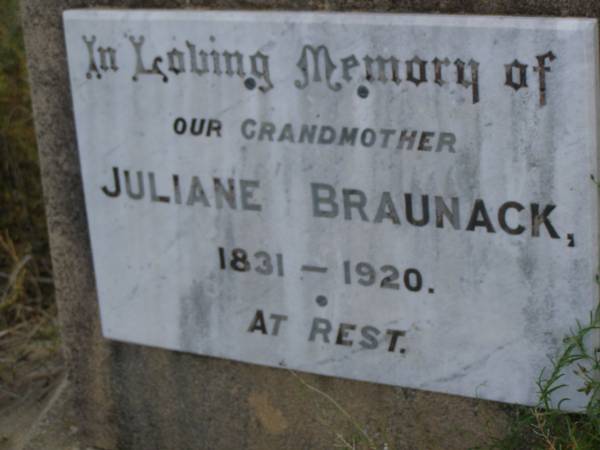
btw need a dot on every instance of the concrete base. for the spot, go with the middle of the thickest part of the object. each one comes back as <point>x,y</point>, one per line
<point>261,408</point>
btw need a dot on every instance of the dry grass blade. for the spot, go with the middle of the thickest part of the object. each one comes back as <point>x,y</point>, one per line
<point>11,330</point>
<point>14,285</point>
<point>339,407</point>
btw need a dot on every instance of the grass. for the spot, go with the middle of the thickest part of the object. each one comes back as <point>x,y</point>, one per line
<point>27,310</point>
<point>547,427</point>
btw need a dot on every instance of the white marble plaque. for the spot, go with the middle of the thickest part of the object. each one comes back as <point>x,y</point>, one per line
<point>400,199</point>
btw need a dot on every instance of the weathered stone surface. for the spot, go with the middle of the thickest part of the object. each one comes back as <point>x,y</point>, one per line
<point>131,397</point>
<point>401,212</point>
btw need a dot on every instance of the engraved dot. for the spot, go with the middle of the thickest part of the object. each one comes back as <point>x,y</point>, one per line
<point>250,83</point>
<point>403,351</point>
<point>362,91</point>
<point>321,300</point>
<point>431,290</point>
<point>212,39</point>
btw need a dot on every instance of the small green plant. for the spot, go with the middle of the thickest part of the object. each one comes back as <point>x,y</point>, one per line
<point>543,427</point>
<point>547,426</point>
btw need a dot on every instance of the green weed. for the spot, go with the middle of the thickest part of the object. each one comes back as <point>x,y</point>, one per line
<point>543,427</point>
<point>547,426</point>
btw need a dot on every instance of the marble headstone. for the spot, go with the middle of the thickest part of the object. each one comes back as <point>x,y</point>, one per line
<point>400,199</point>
